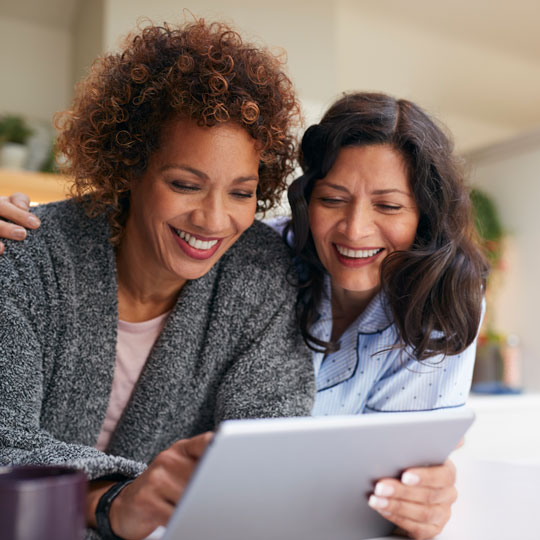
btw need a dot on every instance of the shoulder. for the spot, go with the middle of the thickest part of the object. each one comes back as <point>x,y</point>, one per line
<point>66,222</point>
<point>63,224</point>
<point>66,236</point>
<point>258,266</point>
<point>261,250</point>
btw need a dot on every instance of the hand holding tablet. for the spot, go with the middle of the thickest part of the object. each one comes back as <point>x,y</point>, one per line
<point>308,477</point>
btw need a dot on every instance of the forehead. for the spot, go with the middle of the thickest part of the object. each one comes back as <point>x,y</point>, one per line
<point>184,138</point>
<point>377,166</point>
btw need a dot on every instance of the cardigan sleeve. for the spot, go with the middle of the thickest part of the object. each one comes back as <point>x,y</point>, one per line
<point>23,340</point>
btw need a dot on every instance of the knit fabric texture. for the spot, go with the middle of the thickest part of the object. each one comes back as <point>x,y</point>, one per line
<point>230,348</point>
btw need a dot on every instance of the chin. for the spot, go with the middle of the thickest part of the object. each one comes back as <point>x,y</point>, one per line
<point>359,286</point>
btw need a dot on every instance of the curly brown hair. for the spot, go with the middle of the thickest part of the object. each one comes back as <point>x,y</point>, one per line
<point>201,71</point>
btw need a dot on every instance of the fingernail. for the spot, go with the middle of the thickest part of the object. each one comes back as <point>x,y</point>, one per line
<point>34,221</point>
<point>410,479</point>
<point>377,502</point>
<point>383,489</point>
<point>18,233</point>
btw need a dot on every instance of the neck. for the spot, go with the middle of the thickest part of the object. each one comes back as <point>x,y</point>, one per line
<point>347,306</point>
<point>145,290</point>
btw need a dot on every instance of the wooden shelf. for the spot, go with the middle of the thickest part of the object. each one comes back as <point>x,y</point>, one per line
<point>40,187</point>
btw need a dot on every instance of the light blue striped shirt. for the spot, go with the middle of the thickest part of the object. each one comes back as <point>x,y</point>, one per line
<point>367,375</point>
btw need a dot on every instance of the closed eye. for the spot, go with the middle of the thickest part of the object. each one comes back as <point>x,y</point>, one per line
<point>243,194</point>
<point>183,187</point>
<point>389,207</point>
<point>330,201</point>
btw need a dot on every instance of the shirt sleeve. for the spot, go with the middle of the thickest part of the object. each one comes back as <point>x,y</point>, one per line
<point>437,383</point>
<point>442,382</point>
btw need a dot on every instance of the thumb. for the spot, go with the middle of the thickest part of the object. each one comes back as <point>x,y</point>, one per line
<point>194,447</point>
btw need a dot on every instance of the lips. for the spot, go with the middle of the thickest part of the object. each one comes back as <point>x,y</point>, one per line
<point>196,247</point>
<point>355,258</point>
<point>357,253</point>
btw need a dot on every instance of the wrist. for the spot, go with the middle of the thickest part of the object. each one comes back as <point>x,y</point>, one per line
<point>96,489</point>
<point>103,510</point>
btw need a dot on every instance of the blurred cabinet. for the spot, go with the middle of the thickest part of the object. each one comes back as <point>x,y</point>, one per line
<point>40,187</point>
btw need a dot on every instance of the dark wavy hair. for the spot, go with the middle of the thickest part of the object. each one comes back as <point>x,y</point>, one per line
<point>200,71</point>
<point>435,288</point>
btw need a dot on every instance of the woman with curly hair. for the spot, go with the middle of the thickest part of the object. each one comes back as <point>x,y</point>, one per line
<point>120,340</point>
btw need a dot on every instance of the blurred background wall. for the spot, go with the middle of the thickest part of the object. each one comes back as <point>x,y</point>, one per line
<point>474,65</point>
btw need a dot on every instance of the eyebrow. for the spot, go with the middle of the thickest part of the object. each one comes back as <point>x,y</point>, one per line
<point>386,191</point>
<point>376,192</point>
<point>203,176</point>
<point>334,186</point>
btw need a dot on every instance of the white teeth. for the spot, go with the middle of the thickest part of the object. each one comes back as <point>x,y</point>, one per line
<point>195,242</point>
<point>357,253</point>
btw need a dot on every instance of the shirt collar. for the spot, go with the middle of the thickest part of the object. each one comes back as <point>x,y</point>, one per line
<point>376,318</point>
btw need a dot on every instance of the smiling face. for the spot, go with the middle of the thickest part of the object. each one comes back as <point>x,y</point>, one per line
<point>196,198</point>
<point>359,213</point>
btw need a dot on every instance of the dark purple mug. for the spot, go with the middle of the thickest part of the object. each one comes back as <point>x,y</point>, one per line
<point>41,503</point>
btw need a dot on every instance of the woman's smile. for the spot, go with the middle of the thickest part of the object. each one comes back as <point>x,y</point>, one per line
<point>196,246</point>
<point>355,257</point>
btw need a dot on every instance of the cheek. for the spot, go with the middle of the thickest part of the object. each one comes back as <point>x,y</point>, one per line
<point>155,203</point>
<point>405,234</point>
<point>245,217</point>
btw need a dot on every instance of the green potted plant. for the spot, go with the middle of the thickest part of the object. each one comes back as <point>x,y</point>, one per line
<point>14,133</point>
<point>489,373</point>
<point>488,225</point>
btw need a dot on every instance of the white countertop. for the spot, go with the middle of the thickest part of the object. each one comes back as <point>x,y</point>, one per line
<point>507,428</point>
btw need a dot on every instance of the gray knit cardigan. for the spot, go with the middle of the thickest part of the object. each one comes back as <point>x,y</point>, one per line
<point>229,349</point>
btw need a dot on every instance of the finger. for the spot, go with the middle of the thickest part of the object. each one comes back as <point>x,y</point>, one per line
<point>397,511</point>
<point>394,489</point>
<point>12,232</point>
<point>460,443</point>
<point>1,248</point>
<point>21,217</point>
<point>437,476</point>
<point>195,446</point>
<point>21,200</point>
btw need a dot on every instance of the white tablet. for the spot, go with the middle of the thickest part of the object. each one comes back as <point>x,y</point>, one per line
<point>307,478</point>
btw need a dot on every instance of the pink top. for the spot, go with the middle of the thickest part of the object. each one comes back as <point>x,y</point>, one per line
<point>133,346</point>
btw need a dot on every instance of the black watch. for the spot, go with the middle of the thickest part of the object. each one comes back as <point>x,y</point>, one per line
<point>103,508</point>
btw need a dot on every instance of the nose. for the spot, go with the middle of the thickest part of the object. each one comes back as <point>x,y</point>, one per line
<point>358,221</point>
<point>211,216</point>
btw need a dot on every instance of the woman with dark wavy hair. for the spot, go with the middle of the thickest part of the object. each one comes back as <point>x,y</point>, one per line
<point>120,340</point>
<point>391,278</point>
